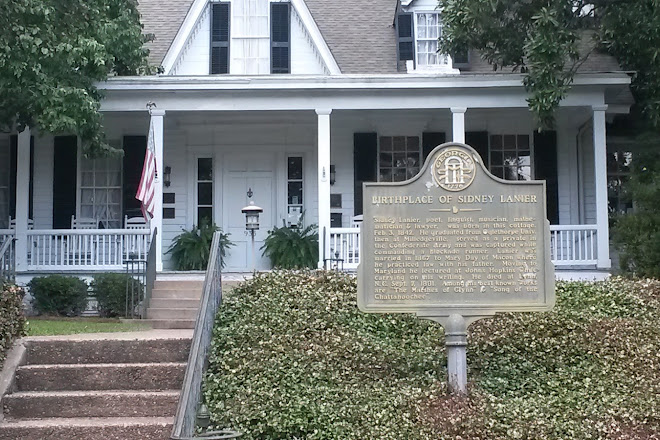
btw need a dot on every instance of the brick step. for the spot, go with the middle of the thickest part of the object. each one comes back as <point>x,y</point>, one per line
<point>81,377</point>
<point>106,351</point>
<point>122,428</point>
<point>174,303</point>
<point>179,284</point>
<point>176,294</point>
<point>72,404</point>
<point>171,323</point>
<point>153,313</point>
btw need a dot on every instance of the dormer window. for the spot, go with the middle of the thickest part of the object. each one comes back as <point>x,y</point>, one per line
<point>280,38</point>
<point>418,34</point>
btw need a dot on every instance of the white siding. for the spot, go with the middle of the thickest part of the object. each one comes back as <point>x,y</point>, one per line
<point>195,59</point>
<point>588,177</point>
<point>305,59</point>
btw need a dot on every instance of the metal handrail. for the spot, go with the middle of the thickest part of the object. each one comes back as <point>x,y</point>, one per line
<point>8,260</point>
<point>184,422</point>
<point>151,274</point>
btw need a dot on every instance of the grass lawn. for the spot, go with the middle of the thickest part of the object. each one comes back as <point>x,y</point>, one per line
<point>49,326</point>
<point>293,358</point>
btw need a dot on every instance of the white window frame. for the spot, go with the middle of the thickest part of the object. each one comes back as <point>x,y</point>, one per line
<point>530,140</point>
<point>80,187</point>
<point>196,182</point>
<point>443,67</point>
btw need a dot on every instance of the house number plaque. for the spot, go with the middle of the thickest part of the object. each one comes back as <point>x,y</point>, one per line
<point>455,244</point>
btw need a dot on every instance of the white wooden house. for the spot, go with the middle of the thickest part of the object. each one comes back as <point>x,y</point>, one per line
<point>300,102</point>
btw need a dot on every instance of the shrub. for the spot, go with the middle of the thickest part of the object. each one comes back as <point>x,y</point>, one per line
<point>12,321</point>
<point>292,247</point>
<point>293,358</point>
<point>191,249</point>
<point>59,295</point>
<point>111,292</point>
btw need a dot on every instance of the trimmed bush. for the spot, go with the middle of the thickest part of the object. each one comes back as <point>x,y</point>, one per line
<point>58,295</point>
<point>110,291</point>
<point>293,358</point>
<point>12,320</point>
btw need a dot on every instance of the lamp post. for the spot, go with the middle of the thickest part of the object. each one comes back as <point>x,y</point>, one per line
<point>252,212</point>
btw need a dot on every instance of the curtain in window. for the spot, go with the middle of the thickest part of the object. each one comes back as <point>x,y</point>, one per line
<point>100,191</point>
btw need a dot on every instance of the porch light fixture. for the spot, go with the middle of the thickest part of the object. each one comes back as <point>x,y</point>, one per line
<point>167,177</point>
<point>252,212</point>
<point>332,174</point>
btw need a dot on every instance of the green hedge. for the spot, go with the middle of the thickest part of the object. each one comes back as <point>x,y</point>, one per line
<point>59,295</point>
<point>293,358</point>
<point>12,320</point>
<point>110,291</point>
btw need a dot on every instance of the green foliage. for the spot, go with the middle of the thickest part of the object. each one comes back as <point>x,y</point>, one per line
<point>111,292</point>
<point>52,52</point>
<point>292,357</point>
<point>541,39</point>
<point>12,321</point>
<point>59,295</point>
<point>48,326</point>
<point>637,235</point>
<point>292,248</point>
<point>191,249</point>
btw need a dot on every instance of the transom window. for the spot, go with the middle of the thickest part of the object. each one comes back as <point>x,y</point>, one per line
<point>101,191</point>
<point>429,29</point>
<point>399,158</point>
<point>510,157</point>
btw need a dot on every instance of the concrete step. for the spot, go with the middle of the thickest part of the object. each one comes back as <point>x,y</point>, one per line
<point>179,284</point>
<point>41,352</point>
<point>71,404</point>
<point>107,428</point>
<point>176,293</point>
<point>153,313</point>
<point>81,377</point>
<point>174,303</point>
<point>171,323</point>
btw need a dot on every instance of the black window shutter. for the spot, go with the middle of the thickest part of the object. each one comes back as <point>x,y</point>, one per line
<point>134,149</point>
<point>365,162</point>
<point>405,36</point>
<point>479,141</point>
<point>280,38</point>
<point>545,166</point>
<point>65,173</point>
<point>430,140</point>
<point>220,38</point>
<point>13,154</point>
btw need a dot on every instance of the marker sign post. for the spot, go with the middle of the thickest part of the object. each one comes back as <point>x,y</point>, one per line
<point>455,244</point>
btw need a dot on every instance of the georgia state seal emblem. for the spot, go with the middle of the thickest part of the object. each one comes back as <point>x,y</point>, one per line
<point>453,169</point>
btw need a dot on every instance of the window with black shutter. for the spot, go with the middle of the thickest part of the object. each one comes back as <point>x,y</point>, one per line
<point>280,38</point>
<point>405,35</point>
<point>219,38</point>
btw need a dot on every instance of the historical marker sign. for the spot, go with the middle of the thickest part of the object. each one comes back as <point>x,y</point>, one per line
<point>455,242</point>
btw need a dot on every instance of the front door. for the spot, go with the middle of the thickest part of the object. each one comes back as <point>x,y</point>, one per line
<point>245,174</point>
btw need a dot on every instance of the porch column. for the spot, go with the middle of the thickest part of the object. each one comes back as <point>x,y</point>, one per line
<point>324,183</point>
<point>157,220</point>
<point>22,198</point>
<point>458,124</point>
<point>600,172</point>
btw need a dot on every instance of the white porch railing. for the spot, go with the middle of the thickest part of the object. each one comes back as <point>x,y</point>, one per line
<point>85,249</point>
<point>345,246</point>
<point>570,245</point>
<point>573,245</point>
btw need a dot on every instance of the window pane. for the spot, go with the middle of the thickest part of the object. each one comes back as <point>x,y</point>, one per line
<point>496,142</point>
<point>385,175</point>
<point>496,158</point>
<point>386,144</point>
<point>399,143</point>
<point>205,169</point>
<point>204,215</point>
<point>523,141</point>
<point>399,175</point>
<point>295,192</point>
<point>509,142</point>
<point>204,193</point>
<point>295,168</point>
<point>385,159</point>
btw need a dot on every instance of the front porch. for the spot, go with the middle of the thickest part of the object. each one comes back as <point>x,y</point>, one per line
<point>306,153</point>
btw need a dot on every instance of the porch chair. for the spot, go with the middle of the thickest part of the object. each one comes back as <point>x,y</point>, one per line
<point>12,223</point>
<point>135,223</point>
<point>356,221</point>
<point>83,223</point>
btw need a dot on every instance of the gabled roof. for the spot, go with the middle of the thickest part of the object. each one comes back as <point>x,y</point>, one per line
<point>162,19</point>
<point>359,33</point>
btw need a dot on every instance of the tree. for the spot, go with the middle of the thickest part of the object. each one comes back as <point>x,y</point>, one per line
<point>542,38</point>
<point>52,52</point>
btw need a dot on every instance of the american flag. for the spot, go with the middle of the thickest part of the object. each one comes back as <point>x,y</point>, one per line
<point>147,189</point>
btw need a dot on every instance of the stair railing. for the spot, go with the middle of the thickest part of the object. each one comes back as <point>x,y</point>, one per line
<point>8,260</point>
<point>186,413</point>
